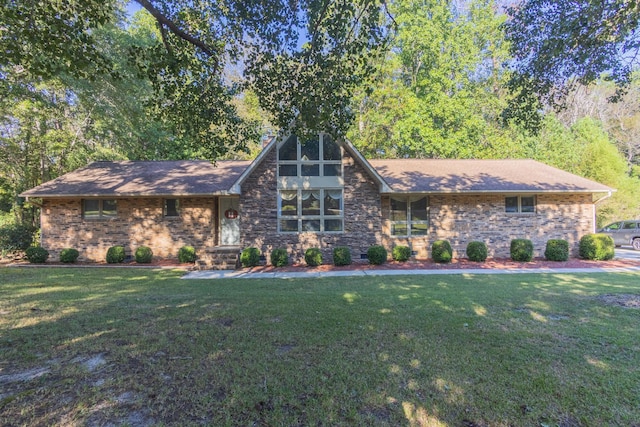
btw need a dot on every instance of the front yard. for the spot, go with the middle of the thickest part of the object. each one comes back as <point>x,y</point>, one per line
<point>91,346</point>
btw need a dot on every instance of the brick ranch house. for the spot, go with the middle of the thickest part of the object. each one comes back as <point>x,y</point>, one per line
<point>323,194</point>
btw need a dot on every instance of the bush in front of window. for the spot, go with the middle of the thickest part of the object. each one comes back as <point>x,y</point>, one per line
<point>598,247</point>
<point>279,257</point>
<point>250,257</point>
<point>477,251</point>
<point>37,254</point>
<point>557,250</point>
<point>187,254</point>
<point>313,257</point>
<point>401,253</point>
<point>341,255</point>
<point>144,255</point>
<point>441,251</point>
<point>115,255</point>
<point>69,255</point>
<point>377,255</point>
<point>15,238</point>
<point>521,250</point>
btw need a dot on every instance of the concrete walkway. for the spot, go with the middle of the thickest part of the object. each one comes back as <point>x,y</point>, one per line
<point>240,274</point>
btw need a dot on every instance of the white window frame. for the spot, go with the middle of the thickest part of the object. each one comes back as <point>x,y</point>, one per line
<point>321,162</point>
<point>101,211</point>
<point>519,206</point>
<point>409,222</point>
<point>299,217</point>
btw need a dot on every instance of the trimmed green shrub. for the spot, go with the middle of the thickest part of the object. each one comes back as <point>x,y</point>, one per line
<point>521,250</point>
<point>401,253</point>
<point>377,255</point>
<point>598,247</point>
<point>341,255</point>
<point>313,257</point>
<point>250,257</point>
<point>187,254</point>
<point>15,238</point>
<point>69,255</point>
<point>279,257</point>
<point>144,255</point>
<point>115,254</point>
<point>37,254</point>
<point>441,251</point>
<point>557,250</point>
<point>477,251</point>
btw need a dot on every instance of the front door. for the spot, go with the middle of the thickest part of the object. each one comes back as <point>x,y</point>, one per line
<point>229,215</point>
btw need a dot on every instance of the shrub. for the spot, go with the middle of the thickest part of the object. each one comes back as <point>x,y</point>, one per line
<point>341,255</point>
<point>187,254</point>
<point>15,238</point>
<point>69,255</point>
<point>377,255</point>
<point>599,247</point>
<point>144,255</point>
<point>477,251</point>
<point>115,254</point>
<point>250,257</point>
<point>557,250</point>
<point>313,257</point>
<point>441,251</point>
<point>521,250</point>
<point>37,254</point>
<point>279,257</point>
<point>401,253</point>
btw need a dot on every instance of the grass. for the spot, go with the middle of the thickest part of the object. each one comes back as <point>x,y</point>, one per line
<point>142,347</point>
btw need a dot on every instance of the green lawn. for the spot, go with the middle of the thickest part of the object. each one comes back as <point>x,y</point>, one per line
<point>142,347</point>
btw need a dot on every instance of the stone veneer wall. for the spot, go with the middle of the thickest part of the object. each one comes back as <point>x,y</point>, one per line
<point>461,219</point>
<point>259,214</point>
<point>139,222</point>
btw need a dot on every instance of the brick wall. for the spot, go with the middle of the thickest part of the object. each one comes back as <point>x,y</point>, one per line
<point>139,222</point>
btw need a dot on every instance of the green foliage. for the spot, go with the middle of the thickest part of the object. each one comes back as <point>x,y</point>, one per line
<point>15,238</point>
<point>313,257</point>
<point>599,247</point>
<point>477,251</point>
<point>557,250</point>
<point>401,253</point>
<point>341,255</point>
<point>279,257</point>
<point>37,254</point>
<point>115,254</point>
<point>250,257</point>
<point>441,251</point>
<point>143,255</point>
<point>377,255</point>
<point>521,250</point>
<point>187,254</point>
<point>69,255</point>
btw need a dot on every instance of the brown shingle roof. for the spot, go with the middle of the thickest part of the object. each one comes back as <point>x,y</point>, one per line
<point>479,176</point>
<point>144,178</point>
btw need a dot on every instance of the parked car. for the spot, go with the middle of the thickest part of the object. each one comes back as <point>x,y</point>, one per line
<point>624,233</point>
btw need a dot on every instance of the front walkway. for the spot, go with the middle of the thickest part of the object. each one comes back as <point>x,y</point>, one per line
<point>240,274</point>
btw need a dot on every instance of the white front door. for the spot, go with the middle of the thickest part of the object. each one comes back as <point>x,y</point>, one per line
<point>229,215</point>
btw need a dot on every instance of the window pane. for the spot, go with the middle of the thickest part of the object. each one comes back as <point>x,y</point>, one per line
<point>288,170</point>
<point>91,208</point>
<point>331,150</point>
<point>289,150</point>
<point>419,210</point>
<point>528,204</point>
<point>311,170</point>
<point>511,204</point>
<point>399,229</point>
<point>109,208</point>
<point>398,210</point>
<point>333,225</point>
<point>311,225</point>
<point>629,225</point>
<point>289,203</point>
<point>310,150</point>
<point>311,203</point>
<point>419,229</point>
<point>171,207</point>
<point>289,225</point>
<point>333,206</point>
<point>332,170</point>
